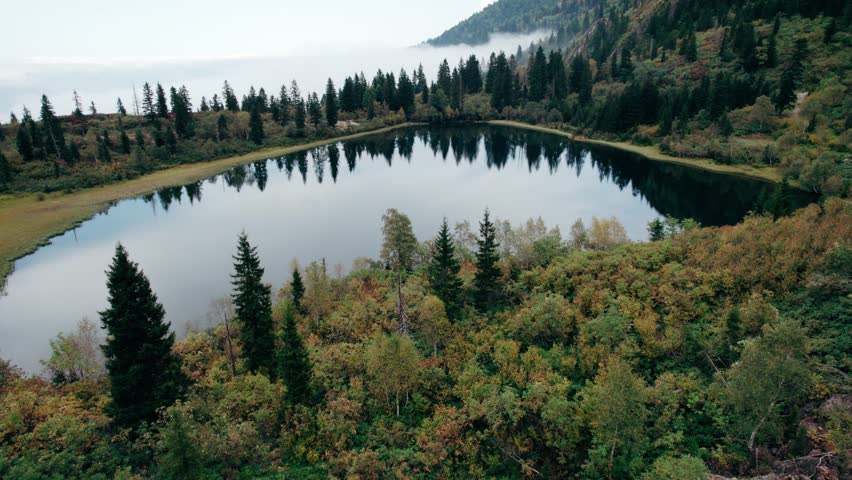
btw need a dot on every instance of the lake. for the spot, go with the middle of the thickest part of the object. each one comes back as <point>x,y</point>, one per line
<point>327,204</point>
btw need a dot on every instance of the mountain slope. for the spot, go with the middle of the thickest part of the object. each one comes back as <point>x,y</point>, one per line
<point>505,16</point>
<point>752,82</point>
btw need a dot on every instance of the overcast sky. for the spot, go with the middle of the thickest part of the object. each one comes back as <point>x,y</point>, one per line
<point>104,49</point>
<point>60,30</point>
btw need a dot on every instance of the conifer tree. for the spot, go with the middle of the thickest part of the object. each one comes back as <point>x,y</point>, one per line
<point>422,85</point>
<point>502,88</point>
<point>253,308</point>
<point>580,79</point>
<point>537,76</point>
<point>93,110</point>
<point>204,107</point>
<point>162,107</point>
<point>256,126</point>
<point>471,75</point>
<point>293,364</point>
<point>148,108</point>
<point>78,107</point>
<point>443,272</point>
<point>556,74</point>
<point>119,108</point>
<point>297,289</point>
<point>457,91</point>
<point>656,230</point>
<point>771,53</point>
<point>24,142</point>
<point>444,81</point>
<point>54,137</point>
<point>347,96</point>
<point>487,283</point>
<point>405,94</point>
<point>216,106</point>
<point>231,103</point>
<point>314,109</point>
<point>331,105</point>
<point>182,112</point>
<point>145,374</point>
<point>299,116</point>
<point>790,77</point>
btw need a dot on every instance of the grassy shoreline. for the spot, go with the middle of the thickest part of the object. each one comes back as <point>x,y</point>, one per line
<point>27,223</point>
<point>768,174</point>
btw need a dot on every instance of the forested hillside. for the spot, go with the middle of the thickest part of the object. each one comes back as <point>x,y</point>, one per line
<point>502,353</point>
<point>509,16</point>
<point>754,82</point>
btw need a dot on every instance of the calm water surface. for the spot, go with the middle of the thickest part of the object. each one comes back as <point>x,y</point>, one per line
<point>328,202</point>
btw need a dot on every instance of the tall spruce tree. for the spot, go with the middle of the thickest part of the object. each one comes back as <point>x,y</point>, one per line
<point>54,137</point>
<point>253,308</point>
<point>231,103</point>
<point>487,282</point>
<point>144,373</point>
<point>471,75</point>
<point>162,106</point>
<point>405,94</point>
<point>256,125</point>
<point>502,88</point>
<point>297,289</point>
<point>443,273</point>
<point>331,105</point>
<point>556,74</point>
<point>294,367</point>
<point>148,108</point>
<point>182,112</point>
<point>299,116</point>
<point>445,81</point>
<point>314,109</point>
<point>537,76</point>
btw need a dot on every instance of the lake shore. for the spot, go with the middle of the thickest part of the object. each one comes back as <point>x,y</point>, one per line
<point>28,221</point>
<point>768,174</point>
